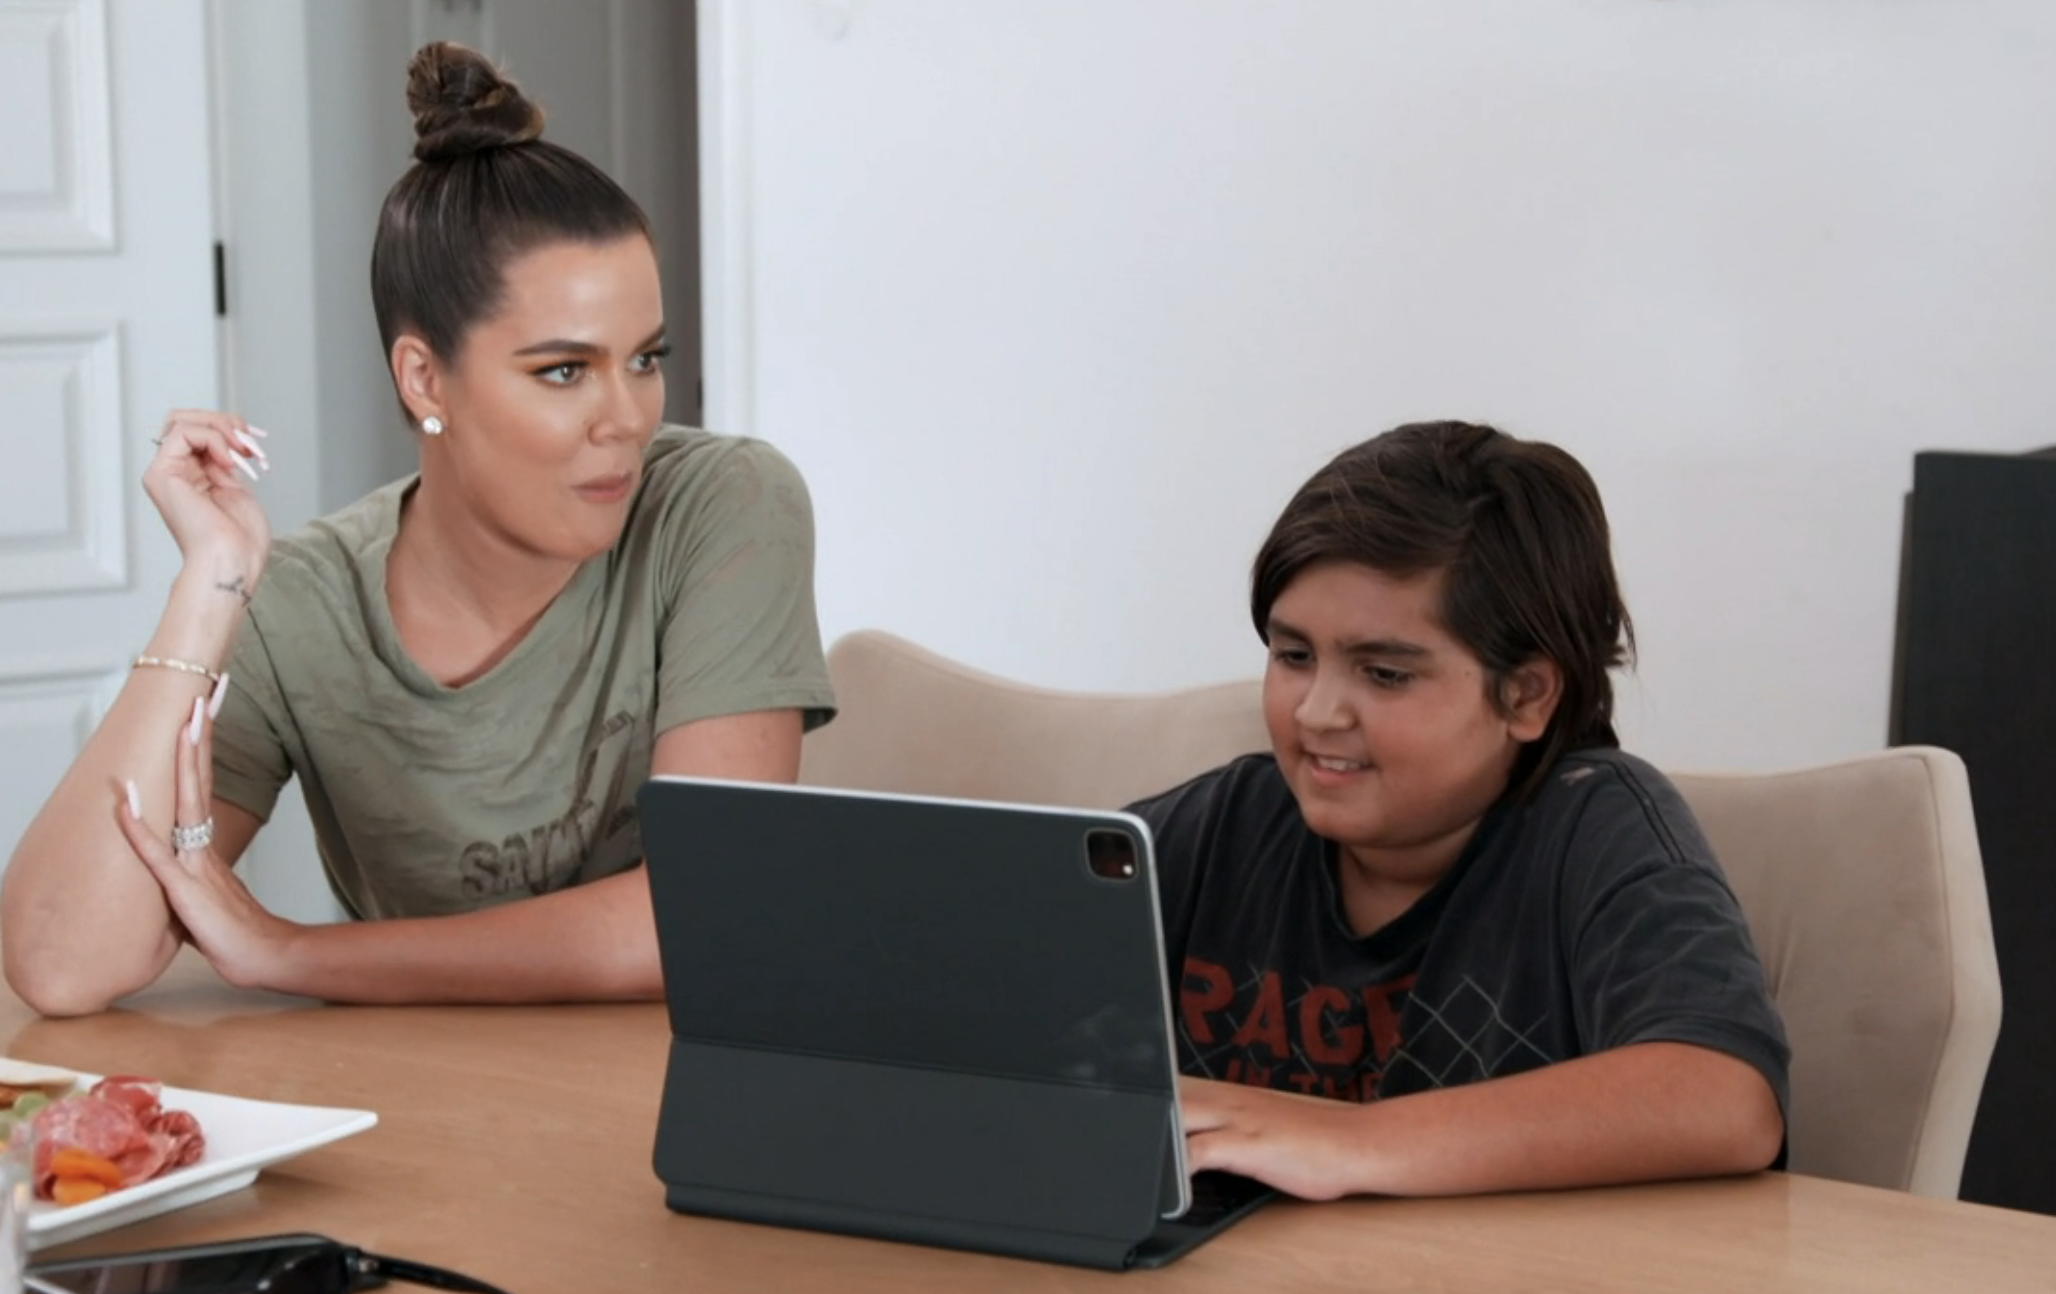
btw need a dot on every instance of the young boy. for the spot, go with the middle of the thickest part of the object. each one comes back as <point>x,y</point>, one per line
<point>1446,902</point>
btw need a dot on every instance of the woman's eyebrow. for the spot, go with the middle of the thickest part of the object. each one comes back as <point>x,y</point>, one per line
<point>565,346</point>
<point>561,346</point>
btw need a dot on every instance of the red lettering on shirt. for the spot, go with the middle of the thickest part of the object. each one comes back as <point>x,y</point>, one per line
<point>1268,1029</point>
<point>1266,1022</point>
<point>1380,1010</point>
<point>1193,1003</point>
<point>1249,1074</point>
<point>1361,1088</point>
<point>1347,1047</point>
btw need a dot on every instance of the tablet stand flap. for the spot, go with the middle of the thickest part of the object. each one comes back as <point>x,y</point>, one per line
<point>1047,1170</point>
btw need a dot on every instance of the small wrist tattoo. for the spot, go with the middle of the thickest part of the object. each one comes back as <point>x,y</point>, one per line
<point>238,586</point>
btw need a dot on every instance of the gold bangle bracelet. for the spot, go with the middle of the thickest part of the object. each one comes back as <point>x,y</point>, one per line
<point>171,662</point>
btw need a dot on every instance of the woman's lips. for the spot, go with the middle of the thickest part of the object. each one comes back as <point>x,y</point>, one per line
<point>607,489</point>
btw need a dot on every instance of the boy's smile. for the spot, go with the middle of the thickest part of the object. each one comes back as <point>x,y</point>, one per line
<point>1385,728</point>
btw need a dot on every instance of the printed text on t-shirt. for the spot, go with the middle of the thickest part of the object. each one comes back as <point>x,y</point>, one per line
<point>550,857</point>
<point>1313,1038</point>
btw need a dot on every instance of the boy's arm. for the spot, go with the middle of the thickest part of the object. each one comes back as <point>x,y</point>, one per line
<point>1642,1112</point>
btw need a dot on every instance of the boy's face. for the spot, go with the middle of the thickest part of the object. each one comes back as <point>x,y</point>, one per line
<point>1383,723</point>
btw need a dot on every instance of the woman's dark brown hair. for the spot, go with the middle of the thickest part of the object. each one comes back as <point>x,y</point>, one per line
<point>485,189</point>
<point>1518,532</point>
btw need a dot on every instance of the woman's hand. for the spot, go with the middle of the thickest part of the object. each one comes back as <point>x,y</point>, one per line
<point>199,480</point>
<point>214,910</point>
<point>1304,1145</point>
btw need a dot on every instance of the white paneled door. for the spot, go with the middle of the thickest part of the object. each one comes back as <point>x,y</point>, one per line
<point>106,321</point>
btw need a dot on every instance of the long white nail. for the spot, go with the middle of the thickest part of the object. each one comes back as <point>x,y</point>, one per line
<point>193,728</point>
<point>135,799</point>
<point>256,430</point>
<point>215,698</point>
<point>255,448</point>
<point>244,463</point>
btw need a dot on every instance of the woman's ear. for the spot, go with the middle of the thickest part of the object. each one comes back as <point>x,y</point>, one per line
<point>1528,697</point>
<point>418,375</point>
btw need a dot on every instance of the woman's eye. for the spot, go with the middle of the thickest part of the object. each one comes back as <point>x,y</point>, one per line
<point>1386,676</point>
<point>653,359</point>
<point>1291,657</point>
<point>561,374</point>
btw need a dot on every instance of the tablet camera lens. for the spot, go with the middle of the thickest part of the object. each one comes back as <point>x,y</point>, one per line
<point>1110,854</point>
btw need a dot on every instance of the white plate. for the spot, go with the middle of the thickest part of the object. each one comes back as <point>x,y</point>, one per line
<point>242,1135</point>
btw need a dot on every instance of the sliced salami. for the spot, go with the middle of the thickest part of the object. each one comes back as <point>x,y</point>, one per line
<point>98,1127</point>
<point>140,1095</point>
<point>145,1157</point>
<point>118,1120</point>
<point>184,1129</point>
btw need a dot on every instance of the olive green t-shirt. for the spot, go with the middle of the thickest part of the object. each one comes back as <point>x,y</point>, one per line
<point>428,799</point>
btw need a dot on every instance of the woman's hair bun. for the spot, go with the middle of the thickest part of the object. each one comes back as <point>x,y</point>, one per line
<point>463,105</point>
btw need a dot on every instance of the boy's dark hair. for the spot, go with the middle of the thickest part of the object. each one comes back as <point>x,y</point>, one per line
<point>1516,528</point>
<point>485,189</point>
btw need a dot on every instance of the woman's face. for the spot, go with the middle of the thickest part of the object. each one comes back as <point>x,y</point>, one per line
<point>551,401</point>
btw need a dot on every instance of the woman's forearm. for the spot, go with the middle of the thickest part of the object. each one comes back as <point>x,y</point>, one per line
<point>595,942</point>
<point>81,920</point>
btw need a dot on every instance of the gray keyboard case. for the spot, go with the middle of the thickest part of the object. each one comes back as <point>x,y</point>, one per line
<point>924,1020</point>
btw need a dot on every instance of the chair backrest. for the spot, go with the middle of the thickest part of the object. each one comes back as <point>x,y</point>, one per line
<point>1861,881</point>
<point>915,722</point>
<point>1865,893</point>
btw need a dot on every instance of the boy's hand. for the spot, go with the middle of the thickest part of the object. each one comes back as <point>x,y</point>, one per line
<point>1303,1145</point>
<point>1648,1111</point>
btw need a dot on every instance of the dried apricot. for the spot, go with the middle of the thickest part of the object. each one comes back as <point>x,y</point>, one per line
<point>67,1191</point>
<point>72,1162</point>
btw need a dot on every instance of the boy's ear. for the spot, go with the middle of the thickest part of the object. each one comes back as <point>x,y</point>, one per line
<point>1529,696</point>
<point>418,376</point>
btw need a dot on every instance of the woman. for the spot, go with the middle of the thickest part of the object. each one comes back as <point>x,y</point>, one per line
<point>470,671</point>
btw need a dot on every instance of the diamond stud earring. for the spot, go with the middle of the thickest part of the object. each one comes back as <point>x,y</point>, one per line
<point>432,425</point>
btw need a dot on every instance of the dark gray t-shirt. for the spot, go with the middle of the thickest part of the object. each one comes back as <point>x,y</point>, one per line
<point>428,799</point>
<point>1591,917</point>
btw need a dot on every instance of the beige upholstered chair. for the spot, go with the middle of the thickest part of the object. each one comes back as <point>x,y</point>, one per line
<point>1861,880</point>
<point>1865,892</point>
<point>912,721</point>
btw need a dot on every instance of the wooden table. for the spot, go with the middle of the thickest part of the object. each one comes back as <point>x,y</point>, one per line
<point>514,1144</point>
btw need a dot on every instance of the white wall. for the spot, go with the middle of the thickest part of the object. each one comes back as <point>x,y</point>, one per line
<point>1055,301</point>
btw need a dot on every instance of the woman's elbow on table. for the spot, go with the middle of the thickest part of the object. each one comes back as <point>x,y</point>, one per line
<point>63,982</point>
<point>49,991</point>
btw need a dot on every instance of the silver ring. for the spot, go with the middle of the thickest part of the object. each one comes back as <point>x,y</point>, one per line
<point>198,836</point>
